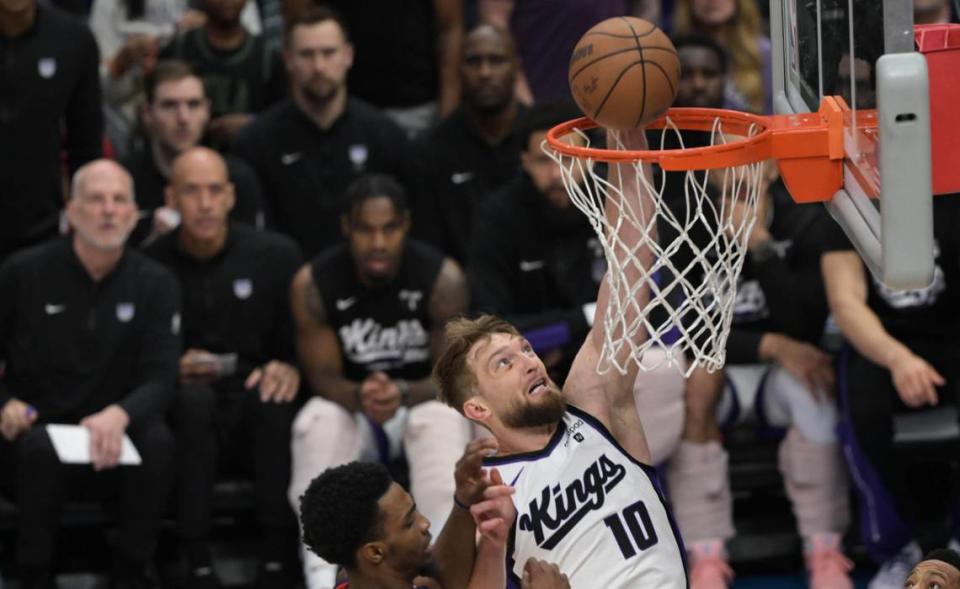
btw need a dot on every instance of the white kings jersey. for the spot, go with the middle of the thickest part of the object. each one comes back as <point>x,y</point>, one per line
<point>584,504</point>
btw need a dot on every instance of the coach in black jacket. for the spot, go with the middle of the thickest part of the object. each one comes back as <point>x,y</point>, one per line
<point>534,258</point>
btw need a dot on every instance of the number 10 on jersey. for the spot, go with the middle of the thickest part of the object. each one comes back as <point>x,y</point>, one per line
<point>632,529</point>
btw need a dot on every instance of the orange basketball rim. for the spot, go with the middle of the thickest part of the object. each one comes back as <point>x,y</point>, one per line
<point>808,147</point>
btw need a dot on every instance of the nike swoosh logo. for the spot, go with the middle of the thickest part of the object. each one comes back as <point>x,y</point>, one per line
<point>291,158</point>
<point>531,265</point>
<point>344,304</point>
<point>461,177</point>
<point>54,309</point>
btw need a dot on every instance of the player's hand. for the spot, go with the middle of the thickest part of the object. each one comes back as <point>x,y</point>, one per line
<point>469,476</point>
<point>199,367</point>
<point>16,417</point>
<point>495,514</point>
<point>380,397</point>
<point>278,382</point>
<point>805,362</point>
<point>106,436</point>
<point>915,380</point>
<point>538,574</point>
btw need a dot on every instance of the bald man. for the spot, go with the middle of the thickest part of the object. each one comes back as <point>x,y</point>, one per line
<point>89,332</point>
<point>238,385</point>
<point>939,570</point>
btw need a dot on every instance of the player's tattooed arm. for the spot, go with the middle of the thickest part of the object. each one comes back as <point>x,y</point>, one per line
<point>449,299</point>
<point>317,345</point>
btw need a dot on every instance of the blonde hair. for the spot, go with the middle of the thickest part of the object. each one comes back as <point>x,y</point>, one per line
<point>740,37</point>
<point>454,377</point>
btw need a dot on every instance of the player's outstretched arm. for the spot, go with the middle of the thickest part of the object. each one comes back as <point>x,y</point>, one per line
<point>609,397</point>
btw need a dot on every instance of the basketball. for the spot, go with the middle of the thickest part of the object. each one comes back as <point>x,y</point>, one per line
<point>624,73</point>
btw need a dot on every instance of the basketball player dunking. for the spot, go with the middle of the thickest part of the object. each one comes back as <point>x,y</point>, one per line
<point>584,495</point>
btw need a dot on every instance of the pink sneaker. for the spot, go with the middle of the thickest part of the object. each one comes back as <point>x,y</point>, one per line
<point>828,567</point>
<point>709,565</point>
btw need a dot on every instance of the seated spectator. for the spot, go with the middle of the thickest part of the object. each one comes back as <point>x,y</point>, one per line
<point>534,258</point>
<point>901,357</point>
<point>736,26</point>
<point>307,149</point>
<point>546,31</point>
<point>370,316</point>
<point>475,150</point>
<point>89,332</point>
<point>939,570</point>
<point>234,406</point>
<point>932,12</point>
<point>773,367</point>
<point>130,34</point>
<point>49,101</point>
<point>236,69</point>
<point>407,58</point>
<point>175,112</point>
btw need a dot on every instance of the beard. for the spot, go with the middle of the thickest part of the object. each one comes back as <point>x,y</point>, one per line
<point>548,411</point>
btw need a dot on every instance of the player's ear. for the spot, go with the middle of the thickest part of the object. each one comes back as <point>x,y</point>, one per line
<point>373,553</point>
<point>476,409</point>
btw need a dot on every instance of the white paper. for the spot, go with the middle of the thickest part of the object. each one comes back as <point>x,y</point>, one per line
<point>72,443</point>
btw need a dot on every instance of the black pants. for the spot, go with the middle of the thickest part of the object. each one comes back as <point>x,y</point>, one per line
<point>40,484</point>
<point>869,402</point>
<point>231,431</point>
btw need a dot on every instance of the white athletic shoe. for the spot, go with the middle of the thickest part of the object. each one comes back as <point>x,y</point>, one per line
<point>894,572</point>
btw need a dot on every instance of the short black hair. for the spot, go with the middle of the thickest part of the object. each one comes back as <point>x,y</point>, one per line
<point>371,186</point>
<point>705,42</point>
<point>543,116</point>
<point>951,557</point>
<point>339,511</point>
<point>316,15</point>
<point>167,70</point>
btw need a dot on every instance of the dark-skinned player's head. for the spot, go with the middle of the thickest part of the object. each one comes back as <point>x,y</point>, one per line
<point>939,570</point>
<point>488,69</point>
<point>703,72</point>
<point>375,222</point>
<point>355,516</point>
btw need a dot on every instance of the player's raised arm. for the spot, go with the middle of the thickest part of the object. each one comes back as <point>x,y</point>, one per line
<point>609,397</point>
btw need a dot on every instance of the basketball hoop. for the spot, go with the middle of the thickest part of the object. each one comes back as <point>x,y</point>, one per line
<point>691,300</point>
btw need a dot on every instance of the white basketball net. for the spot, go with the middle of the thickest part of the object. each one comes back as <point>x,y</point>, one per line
<point>691,296</point>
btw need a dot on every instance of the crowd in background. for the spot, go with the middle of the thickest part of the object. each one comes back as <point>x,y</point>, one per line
<point>235,229</point>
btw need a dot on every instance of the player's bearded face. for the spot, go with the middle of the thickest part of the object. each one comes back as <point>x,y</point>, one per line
<point>528,412</point>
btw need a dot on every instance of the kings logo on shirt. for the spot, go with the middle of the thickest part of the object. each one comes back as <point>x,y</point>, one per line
<point>558,510</point>
<point>366,341</point>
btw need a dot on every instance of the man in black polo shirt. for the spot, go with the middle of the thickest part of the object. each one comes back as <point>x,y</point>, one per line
<point>306,150</point>
<point>236,68</point>
<point>49,99</point>
<point>237,378</point>
<point>534,258</point>
<point>175,112</point>
<point>89,332</point>
<point>370,316</point>
<point>474,151</point>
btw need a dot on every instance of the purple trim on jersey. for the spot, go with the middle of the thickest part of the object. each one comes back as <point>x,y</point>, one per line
<point>547,338</point>
<point>380,437</point>
<point>765,429</point>
<point>882,529</point>
<point>651,473</point>
<point>529,456</point>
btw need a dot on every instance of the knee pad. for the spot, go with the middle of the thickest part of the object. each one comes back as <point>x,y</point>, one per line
<point>698,484</point>
<point>816,482</point>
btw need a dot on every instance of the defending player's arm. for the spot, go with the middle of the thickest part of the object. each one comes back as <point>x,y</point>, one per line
<point>317,344</point>
<point>610,397</point>
<point>846,284</point>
